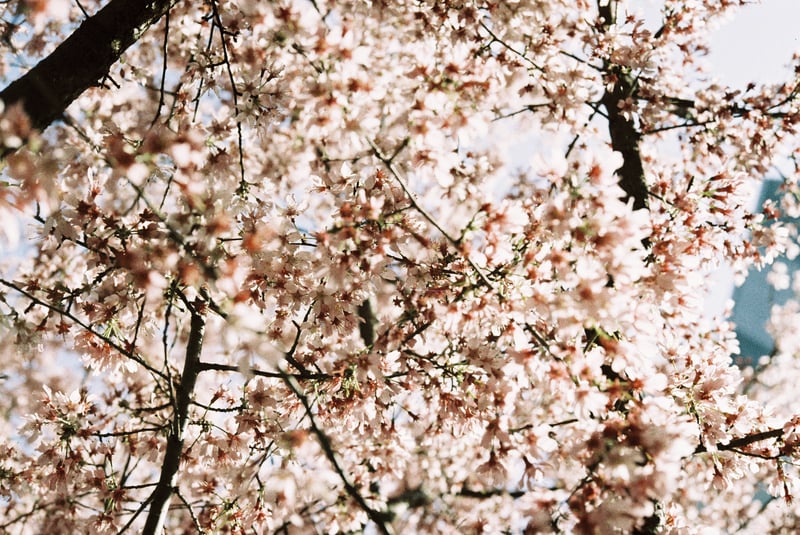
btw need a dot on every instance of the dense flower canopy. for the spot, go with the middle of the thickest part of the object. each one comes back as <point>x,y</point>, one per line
<point>322,266</point>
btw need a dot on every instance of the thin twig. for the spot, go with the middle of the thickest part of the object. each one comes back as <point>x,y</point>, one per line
<point>163,71</point>
<point>379,518</point>
<point>62,312</point>
<point>453,241</point>
<point>235,92</point>
<point>308,376</point>
<point>496,39</point>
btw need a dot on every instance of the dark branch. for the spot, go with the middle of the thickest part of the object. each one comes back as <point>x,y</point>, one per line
<point>159,500</point>
<point>367,322</point>
<point>621,85</point>
<point>381,519</point>
<point>307,376</point>
<point>127,352</point>
<point>83,59</point>
<point>490,493</point>
<point>741,442</point>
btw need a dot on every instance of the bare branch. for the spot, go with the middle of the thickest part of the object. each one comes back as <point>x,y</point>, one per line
<point>367,322</point>
<point>85,326</point>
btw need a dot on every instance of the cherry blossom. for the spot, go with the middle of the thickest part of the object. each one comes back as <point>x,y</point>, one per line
<point>432,267</point>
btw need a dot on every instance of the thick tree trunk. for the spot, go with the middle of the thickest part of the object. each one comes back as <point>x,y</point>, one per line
<point>83,59</point>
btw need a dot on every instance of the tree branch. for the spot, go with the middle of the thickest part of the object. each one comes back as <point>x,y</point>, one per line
<point>741,442</point>
<point>367,322</point>
<point>159,500</point>
<point>621,85</point>
<point>82,60</point>
<point>303,376</point>
<point>456,242</point>
<point>466,492</point>
<point>380,519</point>
<point>57,309</point>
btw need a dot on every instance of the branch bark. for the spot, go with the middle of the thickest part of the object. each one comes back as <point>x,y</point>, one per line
<point>83,59</point>
<point>380,519</point>
<point>159,500</point>
<point>744,441</point>
<point>624,134</point>
<point>367,323</point>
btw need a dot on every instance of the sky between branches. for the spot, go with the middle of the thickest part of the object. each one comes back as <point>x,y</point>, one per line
<point>754,45</point>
